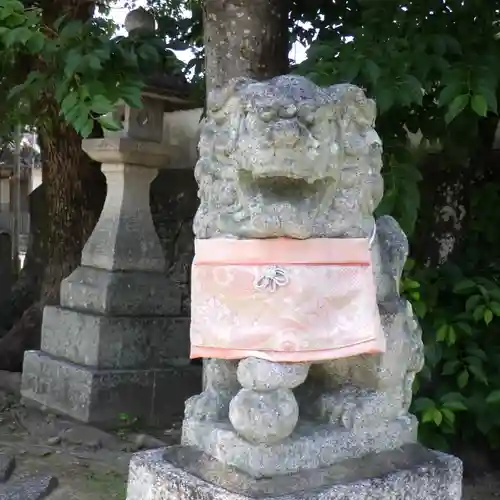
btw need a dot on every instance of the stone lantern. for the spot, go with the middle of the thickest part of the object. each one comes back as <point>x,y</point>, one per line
<point>107,350</point>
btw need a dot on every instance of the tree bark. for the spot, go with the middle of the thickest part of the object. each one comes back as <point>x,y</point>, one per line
<point>446,189</point>
<point>73,195</point>
<point>244,38</point>
<point>75,189</point>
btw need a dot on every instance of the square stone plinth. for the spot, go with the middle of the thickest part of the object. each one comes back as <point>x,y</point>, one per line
<point>408,473</point>
<point>114,342</point>
<point>94,396</point>
<point>311,446</point>
<point>119,293</point>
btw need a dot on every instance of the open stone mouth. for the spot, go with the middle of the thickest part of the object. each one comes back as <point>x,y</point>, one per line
<point>282,189</point>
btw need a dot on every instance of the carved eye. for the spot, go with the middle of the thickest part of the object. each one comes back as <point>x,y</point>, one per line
<point>307,115</point>
<point>288,111</point>
<point>267,115</point>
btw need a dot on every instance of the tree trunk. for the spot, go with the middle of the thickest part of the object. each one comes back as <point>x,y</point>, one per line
<point>244,38</point>
<point>444,218</point>
<point>73,195</point>
<point>75,189</point>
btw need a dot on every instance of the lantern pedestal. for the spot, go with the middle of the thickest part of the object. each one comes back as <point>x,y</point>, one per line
<point>111,347</point>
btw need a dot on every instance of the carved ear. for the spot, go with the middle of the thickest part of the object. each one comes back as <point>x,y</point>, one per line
<point>353,97</point>
<point>219,96</point>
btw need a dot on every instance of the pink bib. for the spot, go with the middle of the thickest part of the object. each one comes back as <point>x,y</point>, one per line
<point>284,300</point>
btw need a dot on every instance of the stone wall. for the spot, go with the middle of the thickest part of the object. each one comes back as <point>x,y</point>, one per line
<point>174,202</point>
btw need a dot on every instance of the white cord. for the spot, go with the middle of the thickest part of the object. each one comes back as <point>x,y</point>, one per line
<point>372,236</point>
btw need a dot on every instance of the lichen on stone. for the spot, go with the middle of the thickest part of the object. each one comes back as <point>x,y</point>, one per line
<point>285,157</point>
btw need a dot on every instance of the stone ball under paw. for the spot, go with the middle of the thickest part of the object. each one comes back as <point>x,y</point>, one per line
<point>264,417</point>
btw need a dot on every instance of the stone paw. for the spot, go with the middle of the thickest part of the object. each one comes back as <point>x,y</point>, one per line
<point>208,405</point>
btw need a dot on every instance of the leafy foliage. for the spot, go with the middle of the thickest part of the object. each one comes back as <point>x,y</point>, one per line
<point>81,64</point>
<point>458,391</point>
<point>431,67</point>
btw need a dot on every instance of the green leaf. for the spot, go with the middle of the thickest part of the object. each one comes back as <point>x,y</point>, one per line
<point>464,286</point>
<point>437,417</point>
<point>36,43</point>
<point>101,105</point>
<point>463,379</point>
<point>493,397</point>
<point>495,307</point>
<point>108,122</point>
<point>442,333</point>
<point>86,130</point>
<point>73,29</point>
<point>148,53</point>
<point>453,44</point>
<point>479,105</point>
<point>448,415</point>
<point>423,404</point>
<point>72,115</point>
<point>483,291</point>
<point>455,406</point>
<point>450,367</point>
<point>478,353</point>
<point>411,284</point>
<point>472,302</point>
<point>490,96</point>
<point>17,35</point>
<point>94,62</point>
<point>456,107</point>
<point>59,22</point>
<point>428,415</point>
<point>384,98</point>
<point>452,397</point>
<point>420,309</point>
<point>415,88</point>
<point>488,316</point>
<point>69,102</point>
<point>452,335</point>
<point>478,313</point>
<point>479,373</point>
<point>439,44</point>
<point>131,95</point>
<point>473,360</point>
<point>351,69</point>
<point>464,327</point>
<point>81,114</point>
<point>484,424</point>
<point>372,71</point>
<point>73,60</point>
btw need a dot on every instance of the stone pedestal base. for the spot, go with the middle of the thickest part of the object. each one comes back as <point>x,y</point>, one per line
<point>101,358</point>
<point>309,447</point>
<point>153,396</point>
<point>409,473</point>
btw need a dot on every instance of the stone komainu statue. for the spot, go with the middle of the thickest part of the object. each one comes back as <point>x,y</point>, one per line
<point>285,158</point>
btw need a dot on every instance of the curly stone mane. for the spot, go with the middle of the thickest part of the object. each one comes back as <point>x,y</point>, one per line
<point>285,157</point>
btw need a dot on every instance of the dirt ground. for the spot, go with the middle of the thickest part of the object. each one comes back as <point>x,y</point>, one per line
<point>92,465</point>
<point>89,464</point>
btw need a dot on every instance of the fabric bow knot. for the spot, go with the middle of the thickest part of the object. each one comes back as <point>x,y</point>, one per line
<point>273,278</point>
